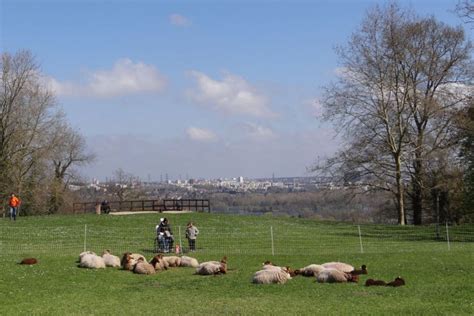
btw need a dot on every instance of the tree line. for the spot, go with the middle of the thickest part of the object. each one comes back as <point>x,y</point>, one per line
<point>38,147</point>
<point>403,105</point>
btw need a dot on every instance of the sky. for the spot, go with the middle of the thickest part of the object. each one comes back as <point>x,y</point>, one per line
<point>194,89</point>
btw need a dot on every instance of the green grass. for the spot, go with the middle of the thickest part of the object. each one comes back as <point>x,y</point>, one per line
<point>439,281</point>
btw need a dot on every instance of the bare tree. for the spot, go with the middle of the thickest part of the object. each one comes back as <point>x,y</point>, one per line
<point>29,135</point>
<point>438,69</point>
<point>397,98</point>
<point>465,9</point>
<point>68,151</point>
<point>369,105</point>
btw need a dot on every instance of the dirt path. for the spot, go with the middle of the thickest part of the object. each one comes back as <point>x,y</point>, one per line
<point>149,212</point>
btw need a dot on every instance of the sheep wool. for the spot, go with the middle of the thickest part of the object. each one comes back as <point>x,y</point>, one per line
<point>344,267</point>
<point>208,268</point>
<point>92,261</point>
<point>212,267</point>
<point>110,260</point>
<point>143,267</point>
<point>158,263</point>
<point>310,270</point>
<point>188,262</point>
<point>269,276</point>
<point>333,276</point>
<point>173,261</point>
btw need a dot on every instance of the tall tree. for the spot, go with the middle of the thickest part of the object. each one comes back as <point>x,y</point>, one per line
<point>29,136</point>
<point>369,105</point>
<point>397,99</point>
<point>437,66</point>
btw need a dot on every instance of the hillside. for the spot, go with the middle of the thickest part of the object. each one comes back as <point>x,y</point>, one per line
<point>433,268</point>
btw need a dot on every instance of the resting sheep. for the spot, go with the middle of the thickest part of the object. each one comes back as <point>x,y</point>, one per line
<point>29,261</point>
<point>91,261</point>
<point>269,276</point>
<point>158,263</point>
<point>397,282</point>
<point>344,267</point>
<point>143,267</point>
<point>130,259</point>
<point>212,267</point>
<point>372,282</point>
<point>267,265</point>
<point>336,276</point>
<point>362,270</point>
<point>188,262</point>
<point>173,261</point>
<point>110,260</point>
<point>309,271</point>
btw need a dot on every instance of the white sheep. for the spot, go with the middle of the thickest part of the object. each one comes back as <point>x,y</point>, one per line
<point>188,262</point>
<point>335,276</point>
<point>173,261</point>
<point>310,270</point>
<point>212,267</point>
<point>110,260</point>
<point>143,267</point>
<point>91,261</point>
<point>344,267</point>
<point>82,254</point>
<point>269,276</point>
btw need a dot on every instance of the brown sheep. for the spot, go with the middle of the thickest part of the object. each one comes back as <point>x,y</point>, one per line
<point>158,263</point>
<point>143,267</point>
<point>29,261</point>
<point>362,270</point>
<point>397,282</point>
<point>372,282</point>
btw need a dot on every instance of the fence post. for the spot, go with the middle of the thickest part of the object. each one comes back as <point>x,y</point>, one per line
<point>273,246</point>
<point>447,236</point>
<point>85,237</point>
<point>360,240</point>
<point>179,234</point>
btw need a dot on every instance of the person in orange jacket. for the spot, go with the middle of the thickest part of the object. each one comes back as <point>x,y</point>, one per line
<point>14,202</point>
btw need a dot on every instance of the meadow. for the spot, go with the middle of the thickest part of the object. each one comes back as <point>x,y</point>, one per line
<point>438,273</point>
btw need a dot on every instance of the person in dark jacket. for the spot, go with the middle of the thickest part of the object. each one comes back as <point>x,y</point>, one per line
<point>165,236</point>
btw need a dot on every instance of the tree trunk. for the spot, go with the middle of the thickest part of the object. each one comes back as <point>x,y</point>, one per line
<point>400,193</point>
<point>417,183</point>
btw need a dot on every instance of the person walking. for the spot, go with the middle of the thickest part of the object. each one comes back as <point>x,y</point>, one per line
<point>191,234</point>
<point>14,202</point>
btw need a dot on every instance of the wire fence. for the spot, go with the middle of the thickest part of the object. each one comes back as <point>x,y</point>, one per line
<point>289,239</point>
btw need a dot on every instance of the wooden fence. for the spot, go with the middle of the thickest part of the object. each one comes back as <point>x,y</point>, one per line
<point>196,205</point>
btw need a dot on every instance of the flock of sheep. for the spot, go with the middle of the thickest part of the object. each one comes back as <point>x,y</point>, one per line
<point>138,264</point>
<point>330,272</point>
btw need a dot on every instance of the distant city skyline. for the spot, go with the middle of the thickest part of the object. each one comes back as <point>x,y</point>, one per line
<point>200,88</point>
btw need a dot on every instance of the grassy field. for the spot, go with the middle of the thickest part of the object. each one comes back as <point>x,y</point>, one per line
<point>438,274</point>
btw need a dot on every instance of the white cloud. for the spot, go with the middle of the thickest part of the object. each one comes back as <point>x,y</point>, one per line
<point>200,134</point>
<point>258,132</point>
<point>125,77</point>
<point>179,20</point>
<point>231,95</point>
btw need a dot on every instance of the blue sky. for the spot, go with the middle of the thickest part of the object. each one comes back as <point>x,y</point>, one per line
<point>204,88</point>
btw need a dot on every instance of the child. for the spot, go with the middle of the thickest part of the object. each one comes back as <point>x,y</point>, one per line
<point>191,234</point>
